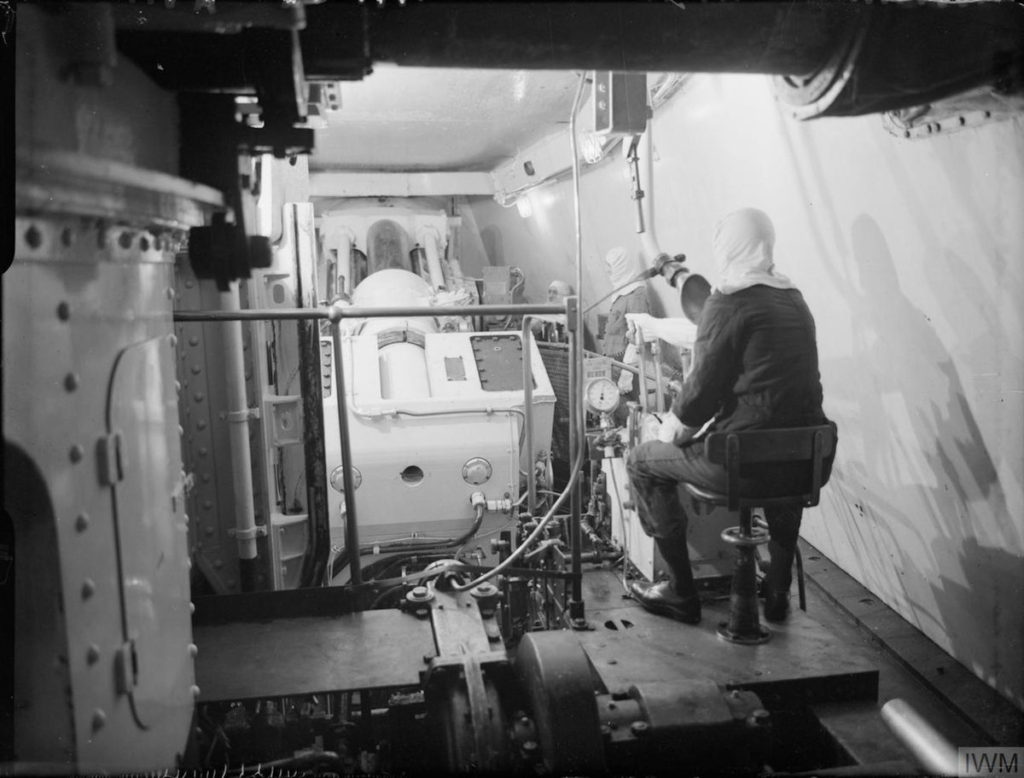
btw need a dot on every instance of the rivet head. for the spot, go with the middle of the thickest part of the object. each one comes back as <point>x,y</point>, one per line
<point>71,382</point>
<point>210,530</point>
<point>197,369</point>
<point>204,451</point>
<point>218,564</point>
<point>194,690</point>
<point>199,397</point>
<point>88,588</point>
<point>92,654</point>
<point>193,650</point>
<point>201,424</point>
<point>82,522</point>
<point>144,245</point>
<point>189,284</point>
<point>76,452</point>
<point>172,340</point>
<point>63,311</point>
<point>124,240</point>
<point>193,341</point>
<point>191,607</point>
<point>99,719</point>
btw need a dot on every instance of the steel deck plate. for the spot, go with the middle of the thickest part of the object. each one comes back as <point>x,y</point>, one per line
<point>629,645</point>
<point>370,650</point>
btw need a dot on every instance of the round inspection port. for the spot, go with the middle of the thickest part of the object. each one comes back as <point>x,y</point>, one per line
<point>412,475</point>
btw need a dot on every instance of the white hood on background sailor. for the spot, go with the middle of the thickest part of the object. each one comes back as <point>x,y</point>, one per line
<point>621,268</point>
<point>742,244</point>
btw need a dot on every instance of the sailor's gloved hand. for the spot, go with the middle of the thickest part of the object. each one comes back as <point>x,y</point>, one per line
<point>625,382</point>
<point>674,431</point>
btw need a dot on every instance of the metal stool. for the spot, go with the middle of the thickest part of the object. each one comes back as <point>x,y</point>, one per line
<point>810,445</point>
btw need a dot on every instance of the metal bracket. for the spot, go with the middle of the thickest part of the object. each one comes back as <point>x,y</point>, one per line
<point>111,459</point>
<point>258,531</point>
<point>238,417</point>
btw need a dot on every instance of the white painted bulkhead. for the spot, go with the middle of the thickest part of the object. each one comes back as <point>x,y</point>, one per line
<point>908,253</point>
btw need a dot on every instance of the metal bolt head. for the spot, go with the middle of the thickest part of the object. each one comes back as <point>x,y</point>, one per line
<point>92,654</point>
<point>484,590</point>
<point>639,728</point>
<point>82,522</point>
<point>88,588</point>
<point>99,719</point>
<point>75,453</point>
<point>33,237</point>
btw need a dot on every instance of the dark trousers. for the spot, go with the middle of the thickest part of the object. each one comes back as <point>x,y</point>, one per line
<point>656,470</point>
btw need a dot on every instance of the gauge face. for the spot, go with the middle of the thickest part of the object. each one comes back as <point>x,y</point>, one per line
<point>337,478</point>
<point>602,395</point>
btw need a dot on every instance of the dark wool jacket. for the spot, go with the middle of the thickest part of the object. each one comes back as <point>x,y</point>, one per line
<point>755,363</point>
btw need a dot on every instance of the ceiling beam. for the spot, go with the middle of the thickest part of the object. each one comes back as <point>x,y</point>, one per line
<point>330,183</point>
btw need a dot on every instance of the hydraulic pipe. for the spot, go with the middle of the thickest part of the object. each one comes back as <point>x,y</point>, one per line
<point>577,423</point>
<point>340,240</point>
<point>351,525</point>
<point>641,352</point>
<point>238,434</point>
<point>531,476</point>
<point>935,754</point>
<point>350,312</point>
<point>648,239</point>
<point>429,239</point>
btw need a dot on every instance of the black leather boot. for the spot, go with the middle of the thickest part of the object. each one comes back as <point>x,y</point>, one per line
<point>677,597</point>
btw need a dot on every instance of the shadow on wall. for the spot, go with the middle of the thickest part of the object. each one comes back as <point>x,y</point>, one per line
<point>923,447</point>
<point>992,589</point>
<point>494,246</point>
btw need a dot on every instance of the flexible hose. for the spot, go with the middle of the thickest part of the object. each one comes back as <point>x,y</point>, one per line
<point>541,525</point>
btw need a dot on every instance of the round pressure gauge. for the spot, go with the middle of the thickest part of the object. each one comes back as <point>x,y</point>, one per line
<point>337,478</point>
<point>602,395</point>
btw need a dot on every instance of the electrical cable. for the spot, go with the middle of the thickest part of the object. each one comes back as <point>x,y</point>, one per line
<point>507,562</point>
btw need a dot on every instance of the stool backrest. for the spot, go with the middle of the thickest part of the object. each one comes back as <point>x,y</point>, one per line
<point>797,444</point>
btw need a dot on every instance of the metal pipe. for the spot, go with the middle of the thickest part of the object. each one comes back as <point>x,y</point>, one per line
<point>429,239</point>
<point>531,475</point>
<point>934,753</point>
<point>648,239</point>
<point>641,352</point>
<point>351,526</point>
<point>577,423</point>
<point>348,312</point>
<point>659,377</point>
<point>238,435</point>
